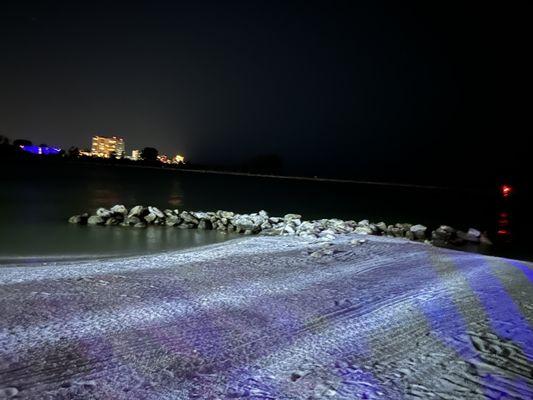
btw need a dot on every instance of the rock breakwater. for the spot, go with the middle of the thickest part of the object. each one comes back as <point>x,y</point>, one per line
<point>262,223</point>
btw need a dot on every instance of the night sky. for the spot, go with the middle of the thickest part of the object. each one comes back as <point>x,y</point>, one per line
<point>346,88</point>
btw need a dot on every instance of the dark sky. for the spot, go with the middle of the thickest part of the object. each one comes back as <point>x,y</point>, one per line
<point>344,87</point>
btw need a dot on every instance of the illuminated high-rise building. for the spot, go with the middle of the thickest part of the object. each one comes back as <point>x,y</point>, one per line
<point>178,159</point>
<point>103,146</point>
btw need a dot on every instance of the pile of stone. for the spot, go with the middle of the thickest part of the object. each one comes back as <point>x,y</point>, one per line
<point>262,223</point>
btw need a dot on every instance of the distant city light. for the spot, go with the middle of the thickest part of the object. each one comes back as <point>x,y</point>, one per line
<point>135,155</point>
<point>41,150</point>
<point>163,158</point>
<point>177,159</point>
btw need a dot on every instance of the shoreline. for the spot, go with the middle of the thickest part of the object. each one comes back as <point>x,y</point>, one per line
<point>36,261</point>
<point>261,223</point>
<point>275,176</point>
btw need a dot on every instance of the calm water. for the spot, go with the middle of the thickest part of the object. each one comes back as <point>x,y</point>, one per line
<point>36,200</point>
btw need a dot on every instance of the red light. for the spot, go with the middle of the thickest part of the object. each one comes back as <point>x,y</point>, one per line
<point>506,190</point>
<point>503,232</point>
<point>504,215</point>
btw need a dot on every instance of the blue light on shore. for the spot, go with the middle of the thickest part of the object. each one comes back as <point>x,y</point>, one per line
<point>41,150</point>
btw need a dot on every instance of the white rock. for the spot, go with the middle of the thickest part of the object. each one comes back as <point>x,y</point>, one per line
<point>382,226</point>
<point>158,213</point>
<point>103,212</point>
<point>289,229</point>
<point>200,215</point>
<point>95,220</point>
<point>136,211</point>
<point>150,217</point>
<point>418,231</point>
<point>75,219</point>
<point>226,214</point>
<point>119,209</point>
<point>474,233</point>
<point>288,217</point>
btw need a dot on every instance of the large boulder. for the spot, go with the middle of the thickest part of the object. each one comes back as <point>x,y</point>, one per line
<point>150,218</point>
<point>381,226</point>
<point>75,219</point>
<point>95,220</point>
<point>443,235</point>
<point>132,220</point>
<point>225,214</point>
<point>205,224</point>
<point>189,218</point>
<point>418,231</point>
<point>172,220</point>
<point>289,230</point>
<point>136,211</point>
<point>79,219</point>
<point>363,230</point>
<point>119,209</point>
<point>266,225</point>
<point>473,235</point>
<point>103,212</point>
<point>288,217</point>
<point>245,222</point>
<point>200,215</point>
<point>156,211</point>
<point>395,231</point>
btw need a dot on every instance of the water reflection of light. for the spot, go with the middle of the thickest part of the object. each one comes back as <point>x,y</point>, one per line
<point>175,200</point>
<point>506,190</point>
<point>503,227</point>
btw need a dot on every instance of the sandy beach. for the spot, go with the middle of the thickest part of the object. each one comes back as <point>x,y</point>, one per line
<point>270,318</point>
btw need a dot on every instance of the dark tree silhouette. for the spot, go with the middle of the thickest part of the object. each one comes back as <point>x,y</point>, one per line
<point>21,142</point>
<point>73,152</point>
<point>149,154</point>
<point>5,147</point>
